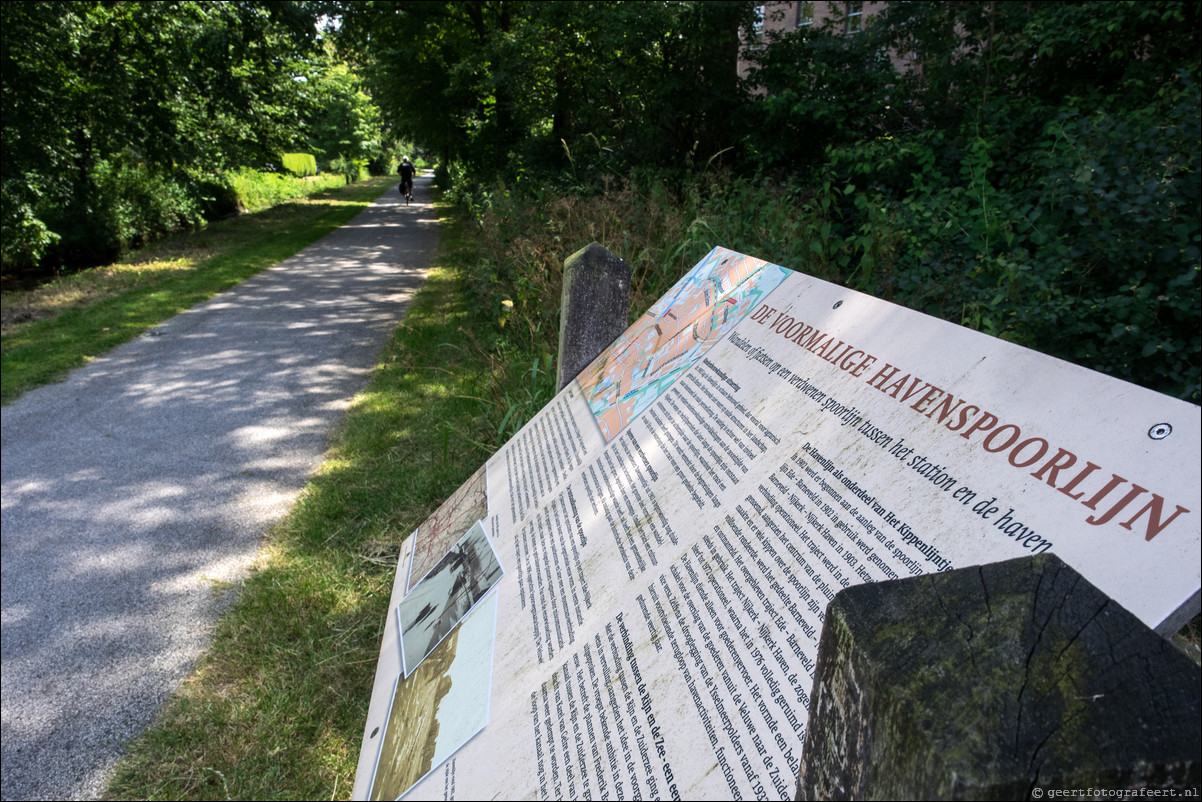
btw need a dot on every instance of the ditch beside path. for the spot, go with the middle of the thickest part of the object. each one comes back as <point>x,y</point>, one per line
<point>137,492</point>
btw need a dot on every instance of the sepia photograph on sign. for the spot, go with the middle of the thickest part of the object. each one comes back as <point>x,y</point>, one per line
<point>439,706</point>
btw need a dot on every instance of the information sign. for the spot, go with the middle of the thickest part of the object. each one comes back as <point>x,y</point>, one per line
<point>674,523</point>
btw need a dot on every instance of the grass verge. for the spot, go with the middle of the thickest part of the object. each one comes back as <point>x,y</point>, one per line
<point>276,709</point>
<point>48,331</point>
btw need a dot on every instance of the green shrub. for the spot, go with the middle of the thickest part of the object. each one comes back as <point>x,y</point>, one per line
<point>137,204</point>
<point>1081,240</point>
<point>380,165</point>
<point>218,198</point>
<point>450,177</point>
<point>299,164</point>
<point>24,239</point>
<point>259,190</point>
<point>123,204</point>
<point>350,169</point>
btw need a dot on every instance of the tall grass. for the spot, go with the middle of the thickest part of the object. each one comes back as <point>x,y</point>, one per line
<point>660,230</point>
<point>834,231</point>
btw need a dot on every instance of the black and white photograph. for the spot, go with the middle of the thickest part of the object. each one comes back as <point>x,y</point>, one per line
<point>453,587</point>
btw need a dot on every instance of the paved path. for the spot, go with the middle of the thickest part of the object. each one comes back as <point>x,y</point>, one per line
<point>135,488</point>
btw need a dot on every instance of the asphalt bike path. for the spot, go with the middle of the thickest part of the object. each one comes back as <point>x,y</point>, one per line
<point>137,491</point>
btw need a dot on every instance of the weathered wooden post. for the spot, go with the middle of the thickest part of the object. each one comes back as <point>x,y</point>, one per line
<point>594,306</point>
<point>1006,681</point>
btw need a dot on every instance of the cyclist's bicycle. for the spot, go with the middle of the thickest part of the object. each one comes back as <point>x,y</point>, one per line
<point>407,190</point>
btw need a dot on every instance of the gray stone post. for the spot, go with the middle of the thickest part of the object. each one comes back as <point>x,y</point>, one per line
<point>593,307</point>
<point>998,682</point>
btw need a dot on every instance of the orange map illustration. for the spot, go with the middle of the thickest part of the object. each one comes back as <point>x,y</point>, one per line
<point>703,306</point>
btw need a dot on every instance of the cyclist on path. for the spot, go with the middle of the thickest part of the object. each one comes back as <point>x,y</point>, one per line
<point>406,171</point>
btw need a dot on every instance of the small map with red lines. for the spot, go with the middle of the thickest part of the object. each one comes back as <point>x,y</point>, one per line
<point>442,530</point>
<point>703,306</point>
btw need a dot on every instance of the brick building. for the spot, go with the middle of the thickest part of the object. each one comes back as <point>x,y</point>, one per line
<point>848,18</point>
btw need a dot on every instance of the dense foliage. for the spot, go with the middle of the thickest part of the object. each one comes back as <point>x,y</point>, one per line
<point>582,87</point>
<point>1030,170</point>
<point>122,120</point>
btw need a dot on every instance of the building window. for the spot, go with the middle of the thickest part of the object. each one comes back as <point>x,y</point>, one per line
<point>854,20</point>
<point>805,14</point>
<point>757,28</point>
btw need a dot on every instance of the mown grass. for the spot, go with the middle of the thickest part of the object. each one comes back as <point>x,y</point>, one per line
<point>50,330</point>
<point>276,708</point>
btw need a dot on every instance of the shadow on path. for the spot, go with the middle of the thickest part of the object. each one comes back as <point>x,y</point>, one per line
<point>133,490</point>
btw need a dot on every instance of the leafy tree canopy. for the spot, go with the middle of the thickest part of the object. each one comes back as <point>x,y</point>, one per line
<point>495,84</point>
<point>101,100</point>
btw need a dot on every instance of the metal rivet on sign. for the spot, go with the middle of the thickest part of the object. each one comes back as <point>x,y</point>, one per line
<point>1160,431</point>
<point>374,733</point>
<point>837,305</point>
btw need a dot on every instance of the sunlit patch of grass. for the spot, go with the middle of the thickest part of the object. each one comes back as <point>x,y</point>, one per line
<point>259,190</point>
<point>83,289</point>
<point>52,329</point>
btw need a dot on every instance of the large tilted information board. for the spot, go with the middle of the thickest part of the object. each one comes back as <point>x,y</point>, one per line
<point>673,524</point>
